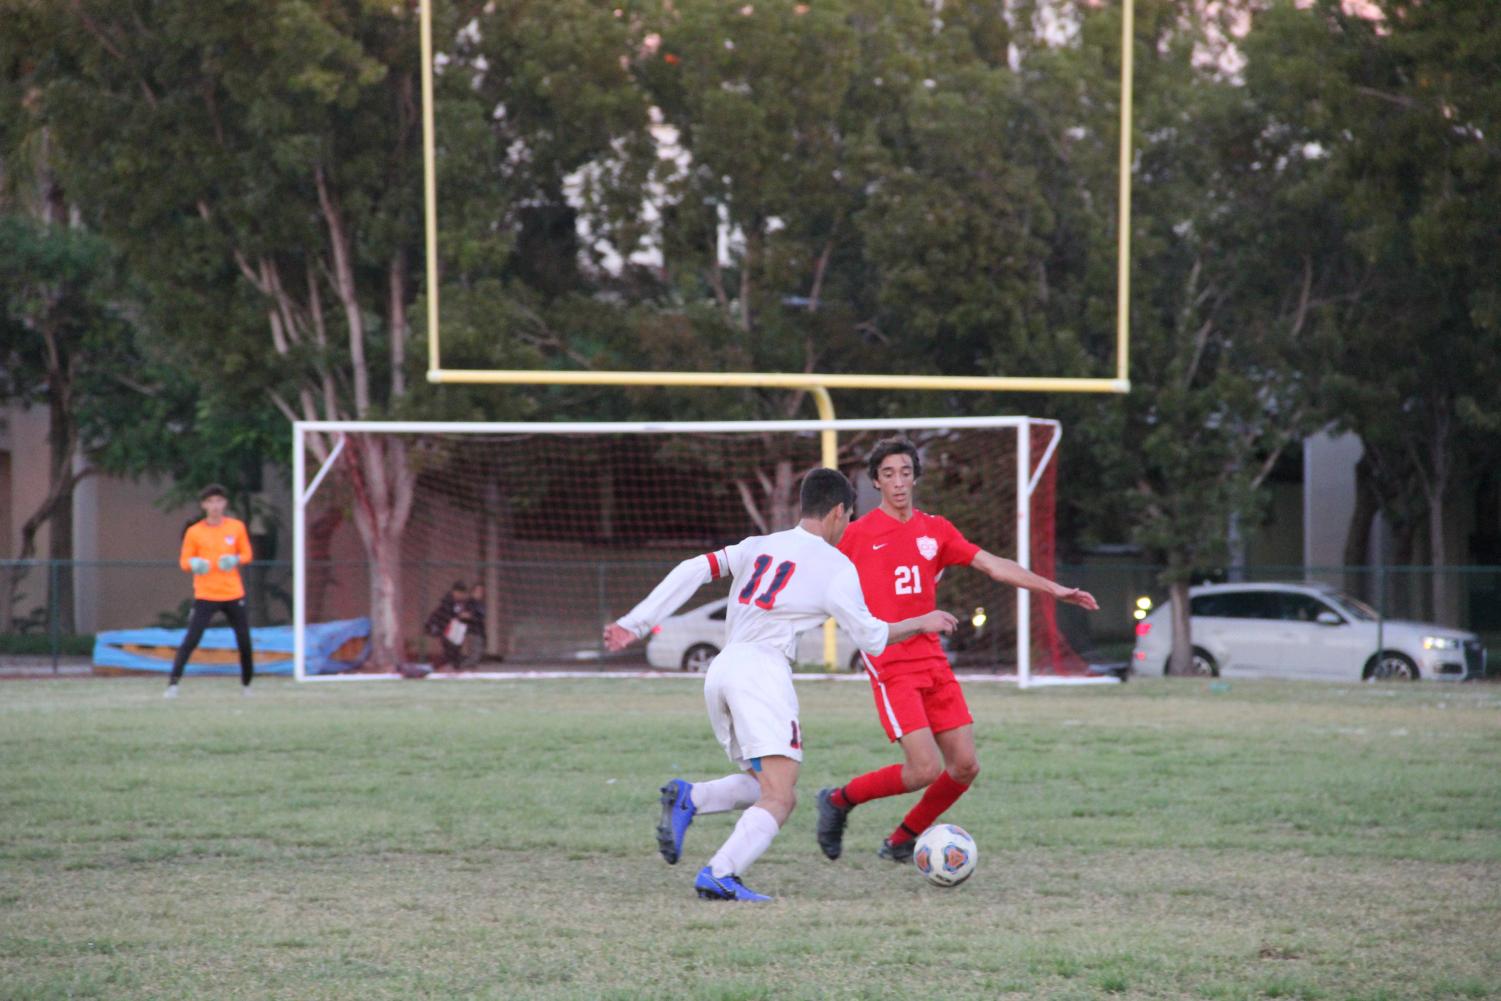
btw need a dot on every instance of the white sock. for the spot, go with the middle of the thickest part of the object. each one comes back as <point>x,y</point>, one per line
<point>733,792</point>
<point>750,838</point>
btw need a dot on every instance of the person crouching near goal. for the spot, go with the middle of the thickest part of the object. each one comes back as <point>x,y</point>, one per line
<point>899,552</point>
<point>781,584</point>
<point>213,550</point>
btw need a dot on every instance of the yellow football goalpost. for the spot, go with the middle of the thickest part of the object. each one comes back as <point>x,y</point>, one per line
<point>816,384</point>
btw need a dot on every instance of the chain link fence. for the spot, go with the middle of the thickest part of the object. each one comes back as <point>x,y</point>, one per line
<point>51,610</point>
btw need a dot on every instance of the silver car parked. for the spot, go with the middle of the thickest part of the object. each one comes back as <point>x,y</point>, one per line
<point>1304,631</point>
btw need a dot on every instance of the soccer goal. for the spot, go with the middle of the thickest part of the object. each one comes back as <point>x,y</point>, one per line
<point>533,536</point>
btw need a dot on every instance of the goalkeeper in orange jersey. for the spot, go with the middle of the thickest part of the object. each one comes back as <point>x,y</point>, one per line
<point>213,550</point>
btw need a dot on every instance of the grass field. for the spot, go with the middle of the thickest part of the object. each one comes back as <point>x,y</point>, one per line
<point>494,840</point>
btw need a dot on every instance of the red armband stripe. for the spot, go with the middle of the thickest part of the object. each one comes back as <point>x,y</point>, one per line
<point>713,566</point>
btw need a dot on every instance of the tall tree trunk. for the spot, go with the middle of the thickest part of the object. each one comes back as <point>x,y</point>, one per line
<point>1438,591</point>
<point>62,441</point>
<point>1435,487</point>
<point>396,320</point>
<point>1358,538</point>
<point>1180,661</point>
<point>1399,599</point>
<point>382,485</point>
<point>777,508</point>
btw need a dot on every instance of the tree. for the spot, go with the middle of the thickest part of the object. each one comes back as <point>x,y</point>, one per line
<point>1404,107</point>
<point>261,169</point>
<point>66,347</point>
<point>1228,314</point>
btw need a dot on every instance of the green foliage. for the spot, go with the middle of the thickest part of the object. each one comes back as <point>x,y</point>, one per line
<point>847,185</point>
<point>1400,114</point>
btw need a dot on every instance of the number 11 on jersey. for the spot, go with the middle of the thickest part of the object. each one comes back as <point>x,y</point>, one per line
<point>908,580</point>
<point>766,599</point>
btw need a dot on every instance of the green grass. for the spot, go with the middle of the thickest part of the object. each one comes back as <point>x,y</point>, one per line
<point>494,840</point>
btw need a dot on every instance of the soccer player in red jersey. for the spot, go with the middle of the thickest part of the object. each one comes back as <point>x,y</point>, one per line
<point>899,552</point>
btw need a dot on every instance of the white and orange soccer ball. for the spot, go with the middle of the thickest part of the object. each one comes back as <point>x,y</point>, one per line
<point>946,854</point>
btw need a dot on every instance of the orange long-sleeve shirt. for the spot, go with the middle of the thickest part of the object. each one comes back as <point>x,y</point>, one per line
<point>210,542</point>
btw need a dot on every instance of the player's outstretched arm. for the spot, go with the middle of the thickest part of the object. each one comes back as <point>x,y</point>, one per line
<point>933,622</point>
<point>667,597</point>
<point>1006,571</point>
<point>617,637</point>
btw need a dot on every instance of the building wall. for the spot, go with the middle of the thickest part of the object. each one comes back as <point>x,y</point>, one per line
<point>114,520</point>
<point>1328,500</point>
<point>119,520</point>
<point>27,439</point>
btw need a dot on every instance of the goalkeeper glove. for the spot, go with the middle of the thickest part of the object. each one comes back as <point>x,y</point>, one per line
<point>228,562</point>
<point>198,564</point>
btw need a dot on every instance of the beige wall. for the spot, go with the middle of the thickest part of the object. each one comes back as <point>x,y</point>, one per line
<point>27,441</point>
<point>117,519</point>
<point>6,551</point>
<point>114,520</point>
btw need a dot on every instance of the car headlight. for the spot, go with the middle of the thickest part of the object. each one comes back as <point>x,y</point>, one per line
<point>1440,643</point>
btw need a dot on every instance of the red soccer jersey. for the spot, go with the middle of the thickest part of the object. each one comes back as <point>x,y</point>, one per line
<point>899,563</point>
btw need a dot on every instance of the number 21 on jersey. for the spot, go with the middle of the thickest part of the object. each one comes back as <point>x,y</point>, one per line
<point>768,597</point>
<point>908,580</point>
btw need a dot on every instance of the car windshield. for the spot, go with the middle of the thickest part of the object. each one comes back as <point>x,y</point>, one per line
<point>1357,608</point>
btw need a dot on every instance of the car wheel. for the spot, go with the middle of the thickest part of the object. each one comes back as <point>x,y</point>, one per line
<point>1391,666</point>
<point>697,658</point>
<point>1202,664</point>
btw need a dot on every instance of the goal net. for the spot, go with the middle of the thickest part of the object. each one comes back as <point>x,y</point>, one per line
<point>533,536</point>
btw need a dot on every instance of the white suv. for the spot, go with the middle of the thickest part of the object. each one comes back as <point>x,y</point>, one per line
<point>1303,631</point>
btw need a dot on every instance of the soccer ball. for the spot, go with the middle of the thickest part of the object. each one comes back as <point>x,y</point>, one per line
<point>946,854</point>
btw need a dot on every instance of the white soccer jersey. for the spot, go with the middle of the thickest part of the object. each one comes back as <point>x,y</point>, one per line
<point>781,585</point>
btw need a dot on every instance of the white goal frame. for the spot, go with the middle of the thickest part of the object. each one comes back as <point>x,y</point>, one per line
<point>303,490</point>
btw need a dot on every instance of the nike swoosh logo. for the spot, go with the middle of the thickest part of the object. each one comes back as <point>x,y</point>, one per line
<point>881,546</point>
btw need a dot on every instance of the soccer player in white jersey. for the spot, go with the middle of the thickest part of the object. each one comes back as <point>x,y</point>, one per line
<point>782,584</point>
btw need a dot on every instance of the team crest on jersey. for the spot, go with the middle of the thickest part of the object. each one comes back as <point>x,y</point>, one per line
<point>229,540</point>
<point>927,546</point>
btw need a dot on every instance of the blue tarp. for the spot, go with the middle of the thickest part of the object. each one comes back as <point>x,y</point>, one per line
<point>323,640</point>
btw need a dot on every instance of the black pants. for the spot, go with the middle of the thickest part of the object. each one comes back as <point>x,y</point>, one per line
<point>203,612</point>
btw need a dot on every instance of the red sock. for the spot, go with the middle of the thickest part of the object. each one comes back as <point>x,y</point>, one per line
<point>939,797</point>
<point>878,784</point>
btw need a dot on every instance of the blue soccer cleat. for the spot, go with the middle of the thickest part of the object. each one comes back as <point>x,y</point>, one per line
<point>677,814</point>
<point>712,887</point>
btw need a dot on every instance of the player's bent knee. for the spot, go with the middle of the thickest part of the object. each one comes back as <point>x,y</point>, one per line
<point>778,805</point>
<point>965,772</point>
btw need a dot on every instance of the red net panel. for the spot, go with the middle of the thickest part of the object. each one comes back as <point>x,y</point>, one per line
<point>1051,651</point>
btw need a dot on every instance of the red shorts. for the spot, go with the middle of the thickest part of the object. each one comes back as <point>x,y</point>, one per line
<point>918,694</point>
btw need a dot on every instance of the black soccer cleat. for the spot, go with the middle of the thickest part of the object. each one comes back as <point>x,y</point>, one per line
<point>896,853</point>
<point>677,814</point>
<point>831,821</point>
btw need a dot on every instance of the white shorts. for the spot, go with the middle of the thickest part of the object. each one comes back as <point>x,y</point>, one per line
<point>752,705</point>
